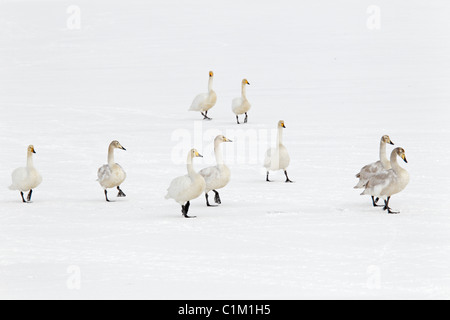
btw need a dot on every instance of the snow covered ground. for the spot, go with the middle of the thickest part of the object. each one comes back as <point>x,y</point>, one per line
<point>130,73</point>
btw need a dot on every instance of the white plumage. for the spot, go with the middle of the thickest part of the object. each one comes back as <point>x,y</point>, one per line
<point>216,177</point>
<point>26,178</point>
<point>241,105</point>
<point>205,101</point>
<point>389,182</point>
<point>377,167</point>
<point>278,158</point>
<point>186,188</point>
<point>112,175</point>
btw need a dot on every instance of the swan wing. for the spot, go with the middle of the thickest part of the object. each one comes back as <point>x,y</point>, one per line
<point>210,174</point>
<point>379,182</point>
<point>104,173</point>
<point>178,187</point>
<point>199,102</point>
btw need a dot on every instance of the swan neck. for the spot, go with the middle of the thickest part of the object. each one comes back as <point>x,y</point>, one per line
<point>218,153</point>
<point>394,163</point>
<point>244,91</point>
<point>111,160</point>
<point>30,160</point>
<point>383,158</point>
<point>280,136</point>
<point>210,84</point>
<point>190,166</point>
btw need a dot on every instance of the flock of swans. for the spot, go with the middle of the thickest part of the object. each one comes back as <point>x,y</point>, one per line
<point>381,179</point>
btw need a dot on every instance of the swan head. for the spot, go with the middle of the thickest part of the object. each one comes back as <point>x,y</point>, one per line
<point>195,154</point>
<point>387,139</point>
<point>31,149</point>
<point>245,82</point>
<point>401,153</point>
<point>116,145</point>
<point>281,124</point>
<point>211,74</point>
<point>222,138</point>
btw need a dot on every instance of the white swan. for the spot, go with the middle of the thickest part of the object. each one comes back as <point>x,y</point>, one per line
<point>389,182</point>
<point>186,188</point>
<point>374,168</point>
<point>278,158</point>
<point>112,175</point>
<point>205,101</point>
<point>241,105</point>
<point>27,178</point>
<point>216,177</point>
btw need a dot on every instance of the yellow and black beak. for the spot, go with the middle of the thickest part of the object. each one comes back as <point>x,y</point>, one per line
<point>123,148</point>
<point>198,155</point>
<point>392,143</point>
<point>404,158</point>
<point>283,125</point>
<point>32,150</point>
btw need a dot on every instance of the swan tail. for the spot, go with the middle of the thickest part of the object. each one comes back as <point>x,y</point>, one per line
<point>361,184</point>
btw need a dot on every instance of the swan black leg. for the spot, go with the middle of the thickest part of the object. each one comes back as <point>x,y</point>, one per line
<point>246,118</point>
<point>106,195</point>
<point>267,177</point>
<point>205,115</point>
<point>185,210</point>
<point>207,200</point>
<point>217,197</point>
<point>386,207</point>
<point>237,119</point>
<point>375,201</point>
<point>23,199</point>
<point>29,195</point>
<point>287,178</point>
<point>121,193</point>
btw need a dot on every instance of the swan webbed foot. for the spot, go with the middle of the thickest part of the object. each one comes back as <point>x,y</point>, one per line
<point>375,201</point>
<point>207,201</point>
<point>246,118</point>
<point>205,116</point>
<point>386,207</point>
<point>121,194</point>
<point>267,177</point>
<point>217,197</point>
<point>287,178</point>
<point>185,210</point>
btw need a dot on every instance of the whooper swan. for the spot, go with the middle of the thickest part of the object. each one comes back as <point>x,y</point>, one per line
<point>389,182</point>
<point>27,178</point>
<point>278,158</point>
<point>205,101</point>
<point>374,168</point>
<point>241,105</point>
<point>216,177</point>
<point>112,175</point>
<point>186,188</point>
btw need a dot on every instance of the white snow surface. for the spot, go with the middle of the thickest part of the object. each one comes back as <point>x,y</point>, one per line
<point>130,74</point>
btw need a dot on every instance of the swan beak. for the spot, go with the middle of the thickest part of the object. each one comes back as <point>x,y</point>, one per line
<point>34,151</point>
<point>283,126</point>
<point>248,83</point>
<point>404,158</point>
<point>123,149</point>
<point>228,140</point>
<point>198,155</point>
<point>390,142</point>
